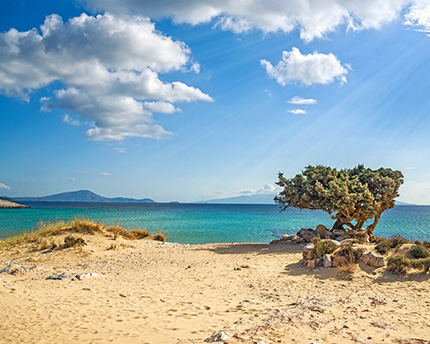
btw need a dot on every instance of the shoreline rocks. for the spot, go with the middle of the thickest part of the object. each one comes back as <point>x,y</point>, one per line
<point>4,204</point>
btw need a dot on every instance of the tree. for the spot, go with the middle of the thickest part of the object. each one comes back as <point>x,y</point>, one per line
<point>358,194</point>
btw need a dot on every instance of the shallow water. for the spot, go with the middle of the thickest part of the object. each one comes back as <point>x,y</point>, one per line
<point>203,223</point>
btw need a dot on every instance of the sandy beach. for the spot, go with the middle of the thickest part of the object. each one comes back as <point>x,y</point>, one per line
<point>144,291</point>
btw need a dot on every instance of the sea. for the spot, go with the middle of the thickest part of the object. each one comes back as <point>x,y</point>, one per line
<point>208,223</point>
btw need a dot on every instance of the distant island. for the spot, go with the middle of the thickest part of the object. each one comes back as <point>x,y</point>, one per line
<point>79,196</point>
<point>244,199</point>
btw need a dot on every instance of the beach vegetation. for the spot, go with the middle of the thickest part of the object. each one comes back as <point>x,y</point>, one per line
<point>159,237</point>
<point>383,245</point>
<point>399,264</point>
<point>419,251</point>
<point>42,237</point>
<point>359,194</point>
<point>323,247</point>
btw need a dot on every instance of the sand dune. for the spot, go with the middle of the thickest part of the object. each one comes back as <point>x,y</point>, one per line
<point>149,292</point>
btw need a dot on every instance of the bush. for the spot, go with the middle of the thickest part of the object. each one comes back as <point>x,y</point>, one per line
<point>70,241</point>
<point>398,264</point>
<point>159,237</point>
<point>423,263</point>
<point>323,247</point>
<point>384,245</point>
<point>419,251</point>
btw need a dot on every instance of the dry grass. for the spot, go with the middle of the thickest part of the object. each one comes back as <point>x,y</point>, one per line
<point>42,236</point>
<point>159,237</point>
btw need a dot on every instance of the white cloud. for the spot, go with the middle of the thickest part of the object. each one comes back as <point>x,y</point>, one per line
<point>313,18</point>
<point>108,65</point>
<point>120,150</point>
<point>105,174</point>
<point>70,120</point>
<point>266,189</point>
<point>419,16</point>
<point>298,111</point>
<point>315,68</point>
<point>302,101</point>
<point>71,179</point>
<point>161,107</point>
<point>4,186</point>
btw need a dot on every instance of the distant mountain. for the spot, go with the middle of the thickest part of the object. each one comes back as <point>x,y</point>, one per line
<point>403,203</point>
<point>251,199</point>
<point>82,196</point>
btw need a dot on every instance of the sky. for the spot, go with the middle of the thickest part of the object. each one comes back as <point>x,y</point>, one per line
<point>194,100</point>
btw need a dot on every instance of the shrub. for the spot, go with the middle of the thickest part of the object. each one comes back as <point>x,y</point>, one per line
<point>423,263</point>
<point>323,247</point>
<point>70,241</point>
<point>398,264</point>
<point>159,237</point>
<point>383,246</point>
<point>397,240</point>
<point>419,251</point>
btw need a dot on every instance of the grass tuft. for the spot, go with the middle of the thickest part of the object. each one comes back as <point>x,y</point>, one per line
<point>159,237</point>
<point>323,247</point>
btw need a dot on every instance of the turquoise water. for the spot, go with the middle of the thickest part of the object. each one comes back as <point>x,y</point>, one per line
<point>203,223</point>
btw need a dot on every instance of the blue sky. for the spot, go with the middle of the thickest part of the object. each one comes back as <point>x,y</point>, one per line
<point>183,101</point>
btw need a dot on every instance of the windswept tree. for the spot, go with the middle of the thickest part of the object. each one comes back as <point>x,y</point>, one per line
<point>359,194</point>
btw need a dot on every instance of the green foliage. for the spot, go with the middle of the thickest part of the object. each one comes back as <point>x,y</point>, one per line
<point>419,251</point>
<point>358,194</point>
<point>323,247</point>
<point>398,264</point>
<point>384,245</point>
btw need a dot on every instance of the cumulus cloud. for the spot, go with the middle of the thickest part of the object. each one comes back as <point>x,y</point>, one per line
<point>313,18</point>
<point>266,189</point>
<point>109,67</point>
<point>315,68</point>
<point>70,120</point>
<point>4,186</point>
<point>419,16</point>
<point>302,101</point>
<point>298,111</point>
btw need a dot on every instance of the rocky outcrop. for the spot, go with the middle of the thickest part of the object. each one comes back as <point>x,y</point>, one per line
<point>373,259</point>
<point>10,205</point>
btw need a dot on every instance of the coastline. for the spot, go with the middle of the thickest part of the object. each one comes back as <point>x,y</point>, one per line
<point>152,292</point>
<point>4,204</point>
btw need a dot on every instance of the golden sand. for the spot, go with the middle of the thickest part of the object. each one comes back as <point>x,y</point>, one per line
<point>150,292</point>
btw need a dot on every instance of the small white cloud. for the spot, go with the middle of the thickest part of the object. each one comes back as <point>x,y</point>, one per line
<point>70,120</point>
<point>4,186</point>
<point>268,93</point>
<point>298,111</point>
<point>266,189</point>
<point>105,174</point>
<point>120,150</point>
<point>310,69</point>
<point>71,179</point>
<point>409,168</point>
<point>302,101</point>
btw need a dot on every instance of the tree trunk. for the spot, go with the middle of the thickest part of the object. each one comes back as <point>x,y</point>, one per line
<point>371,227</point>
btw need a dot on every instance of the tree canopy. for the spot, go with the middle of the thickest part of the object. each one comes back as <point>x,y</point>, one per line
<point>358,194</point>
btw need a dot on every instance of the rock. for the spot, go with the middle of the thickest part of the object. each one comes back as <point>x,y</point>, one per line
<point>219,337</point>
<point>361,236</point>
<point>307,234</point>
<point>327,261</point>
<point>308,250</point>
<point>274,242</point>
<point>337,243</point>
<point>373,259</point>
<point>287,237</point>
<point>81,277</point>
<point>322,231</point>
